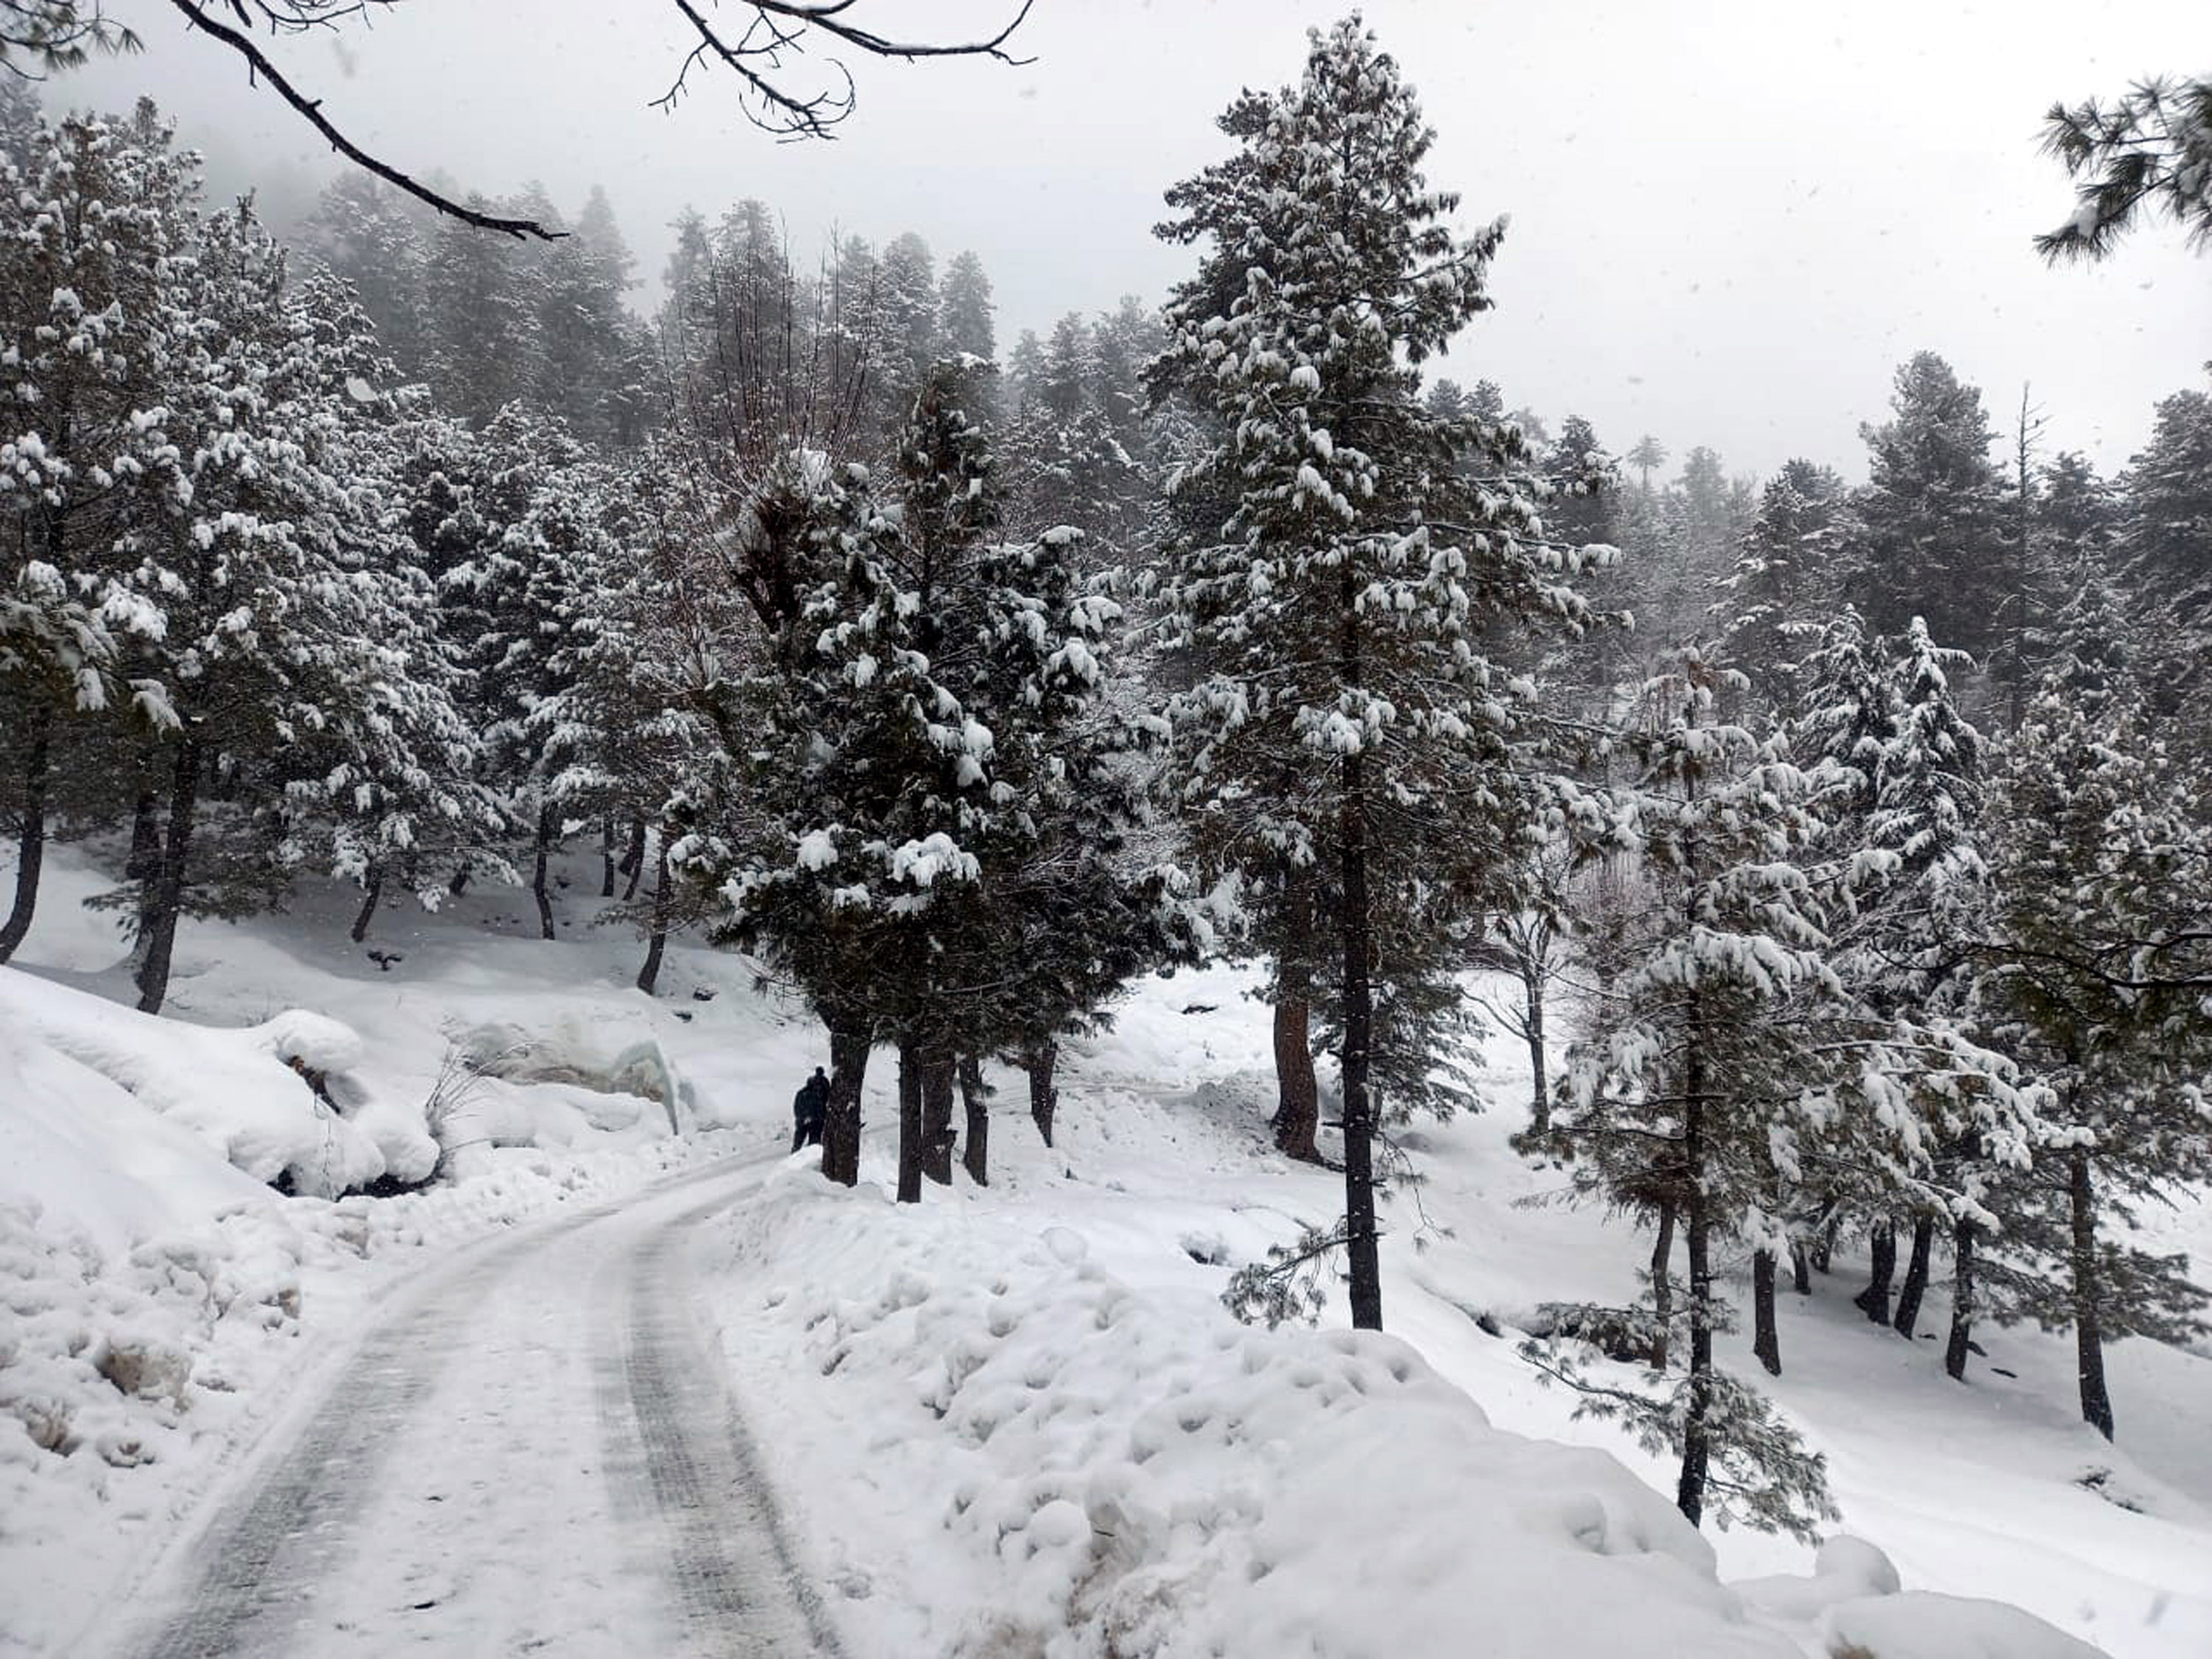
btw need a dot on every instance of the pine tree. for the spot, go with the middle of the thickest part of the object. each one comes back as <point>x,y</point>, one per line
<point>96,212</point>
<point>1933,513</point>
<point>483,343</point>
<point>919,804</point>
<point>1731,1068</point>
<point>1345,706</point>
<point>2092,973</point>
<point>1785,577</point>
<point>965,311</point>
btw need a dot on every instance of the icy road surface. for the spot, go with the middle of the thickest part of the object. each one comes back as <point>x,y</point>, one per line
<point>533,1452</point>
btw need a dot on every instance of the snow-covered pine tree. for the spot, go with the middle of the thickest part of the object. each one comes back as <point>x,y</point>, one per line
<point>965,324</point>
<point>2094,972</point>
<point>482,344</point>
<point>1785,575</point>
<point>1728,1068</point>
<point>1347,705</point>
<point>2165,554</point>
<point>910,758</point>
<point>290,729</point>
<point>660,646</point>
<point>522,542</point>
<point>94,210</point>
<point>1932,517</point>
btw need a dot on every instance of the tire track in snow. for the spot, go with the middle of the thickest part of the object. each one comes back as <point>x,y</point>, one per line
<point>734,1565</point>
<point>283,1567</point>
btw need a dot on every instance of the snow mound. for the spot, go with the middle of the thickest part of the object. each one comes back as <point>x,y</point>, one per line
<point>1132,1472</point>
<point>244,1093</point>
<point>1138,1473</point>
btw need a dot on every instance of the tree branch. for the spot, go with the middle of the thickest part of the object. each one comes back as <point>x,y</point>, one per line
<point>258,63</point>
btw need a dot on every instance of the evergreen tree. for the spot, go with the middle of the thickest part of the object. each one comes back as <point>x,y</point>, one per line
<point>2093,975</point>
<point>1786,578</point>
<point>483,340</point>
<point>1932,515</point>
<point>1345,707</point>
<point>965,311</point>
<point>96,213</point>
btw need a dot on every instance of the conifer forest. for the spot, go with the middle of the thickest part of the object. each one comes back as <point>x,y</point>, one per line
<point>1828,852</point>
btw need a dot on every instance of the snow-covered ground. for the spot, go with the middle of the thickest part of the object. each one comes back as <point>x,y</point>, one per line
<point>1006,1421</point>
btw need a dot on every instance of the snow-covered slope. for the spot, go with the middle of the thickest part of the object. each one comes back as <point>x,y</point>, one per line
<point>1012,1420</point>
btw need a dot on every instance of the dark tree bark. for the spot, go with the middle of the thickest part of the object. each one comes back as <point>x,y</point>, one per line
<point>975,1149</point>
<point>370,895</point>
<point>539,891</point>
<point>841,1120</point>
<point>1765,1339</point>
<point>1662,1284</point>
<point>910,1133</point>
<point>460,883</point>
<point>1873,1301</point>
<point>937,1075</point>
<point>1362,1251</point>
<point>144,864</point>
<point>1298,1097</point>
<point>1801,1271</point>
<point>634,859</point>
<point>2088,1295</point>
<point>31,841</point>
<point>607,858</point>
<point>168,900</point>
<point>1962,1300</point>
<point>1697,1421</point>
<point>657,944</point>
<point>1823,1247</point>
<point>1042,1062</point>
<point>1540,1089</point>
<point>1916,1277</point>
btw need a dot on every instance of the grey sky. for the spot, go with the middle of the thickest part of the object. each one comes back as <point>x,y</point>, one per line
<point>1731,221</point>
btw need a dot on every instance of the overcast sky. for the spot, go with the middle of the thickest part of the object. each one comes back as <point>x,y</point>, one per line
<point>1730,221</point>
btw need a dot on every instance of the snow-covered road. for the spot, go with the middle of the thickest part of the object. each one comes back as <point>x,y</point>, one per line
<point>533,1452</point>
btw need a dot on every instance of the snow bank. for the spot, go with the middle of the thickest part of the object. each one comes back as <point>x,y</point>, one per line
<point>1090,1469</point>
<point>237,1090</point>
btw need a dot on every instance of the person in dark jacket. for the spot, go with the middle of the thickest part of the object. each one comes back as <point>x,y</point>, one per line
<point>807,1111</point>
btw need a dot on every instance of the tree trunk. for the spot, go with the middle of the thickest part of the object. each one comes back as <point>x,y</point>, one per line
<point>841,1119</point>
<point>937,1074</point>
<point>910,1126</point>
<point>607,858</point>
<point>1962,1300</point>
<point>1823,1247</point>
<point>1298,1097</point>
<point>634,859</point>
<point>1040,1062</point>
<point>31,844</point>
<point>1766,1340</point>
<point>1363,1254</point>
<point>370,894</point>
<point>1540,1091</point>
<point>657,944</point>
<point>537,887</point>
<point>1663,1284</point>
<point>1873,1301</point>
<point>144,865</point>
<point>2088,1295</point>
<point>1697,1421</point>
<point>1801,1271</point>
<point>168,902</point>
<point>975,1151</point>
<point>1916,1277</point>
<point>460,883</point>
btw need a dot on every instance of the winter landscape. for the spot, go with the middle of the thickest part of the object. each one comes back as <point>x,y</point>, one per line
<point>715,945</point>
